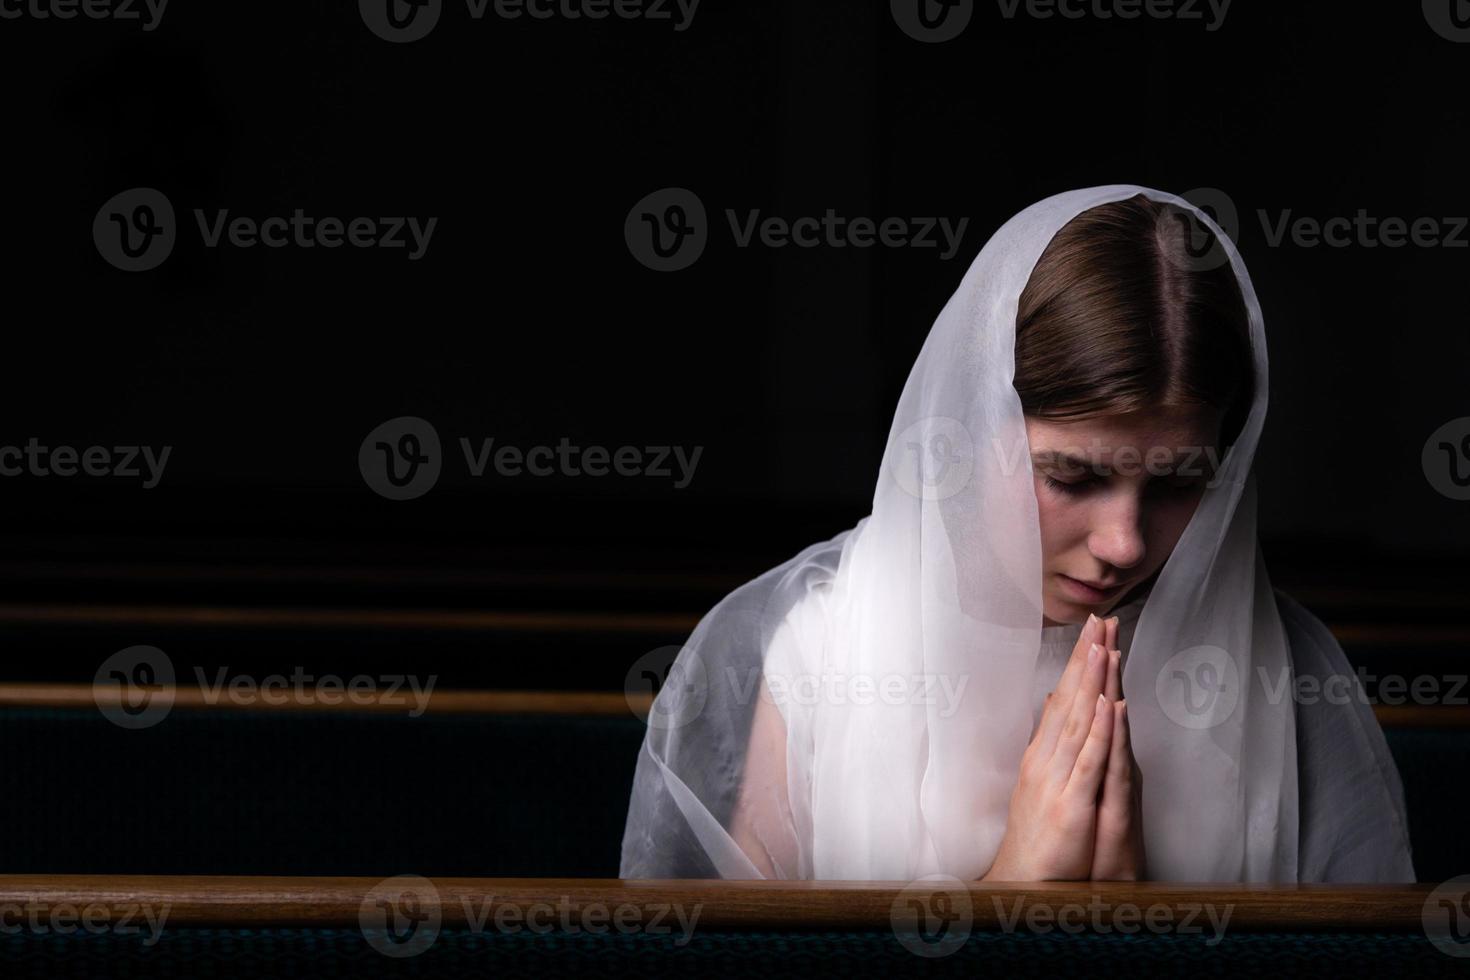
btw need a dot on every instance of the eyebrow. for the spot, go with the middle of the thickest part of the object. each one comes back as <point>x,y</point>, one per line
<point>1057,458</point>
<point>1053,457</point>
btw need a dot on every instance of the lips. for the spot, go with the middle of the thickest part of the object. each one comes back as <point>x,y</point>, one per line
<point>1089,591</point>
<point>1100,586</point>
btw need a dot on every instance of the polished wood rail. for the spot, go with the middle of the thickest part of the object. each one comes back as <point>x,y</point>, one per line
<point>568,621</point>
<point>580,703</point>
<point>29,694</point>
<point>291,617</point>
<point>732,905</point>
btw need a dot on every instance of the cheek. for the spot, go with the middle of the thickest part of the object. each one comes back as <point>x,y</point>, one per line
<point>1166,526</point>
<point>1063,522</point>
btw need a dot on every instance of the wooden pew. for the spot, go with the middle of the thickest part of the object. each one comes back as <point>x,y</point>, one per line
<point>477,755</point>
<point>478,927</point>
<point>18,694</point>
<point>262,901</point>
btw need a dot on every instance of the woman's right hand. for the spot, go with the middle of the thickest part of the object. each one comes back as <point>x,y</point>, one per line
<point>1052,821</point>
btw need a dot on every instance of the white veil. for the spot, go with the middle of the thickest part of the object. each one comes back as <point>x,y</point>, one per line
<point>902,651</point>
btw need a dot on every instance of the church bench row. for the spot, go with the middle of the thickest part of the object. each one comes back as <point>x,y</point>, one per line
<point>481,783</point>
<point>341,926</point>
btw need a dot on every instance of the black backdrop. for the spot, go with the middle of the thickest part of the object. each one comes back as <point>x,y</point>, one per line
<point>530,319</point>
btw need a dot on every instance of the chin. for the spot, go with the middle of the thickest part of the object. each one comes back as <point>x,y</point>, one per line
<point>1062,609</point>
<point>1064,612</point>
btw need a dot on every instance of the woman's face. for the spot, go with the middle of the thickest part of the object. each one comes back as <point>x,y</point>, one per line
<point>1114,495</point>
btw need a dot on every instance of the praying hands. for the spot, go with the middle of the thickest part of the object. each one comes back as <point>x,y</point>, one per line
<point>1076,812</point>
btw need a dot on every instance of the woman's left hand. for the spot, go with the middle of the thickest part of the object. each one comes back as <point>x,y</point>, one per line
<point>1118,853</point>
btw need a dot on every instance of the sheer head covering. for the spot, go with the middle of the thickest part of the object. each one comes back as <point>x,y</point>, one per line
<point>902,653</point>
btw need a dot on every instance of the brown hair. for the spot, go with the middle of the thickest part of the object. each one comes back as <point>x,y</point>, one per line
<point>1121,314</point>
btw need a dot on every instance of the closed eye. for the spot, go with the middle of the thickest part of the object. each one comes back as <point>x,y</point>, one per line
<point>1074,488</point>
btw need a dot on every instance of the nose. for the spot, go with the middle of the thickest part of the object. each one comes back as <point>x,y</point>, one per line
<point>1117,531</point>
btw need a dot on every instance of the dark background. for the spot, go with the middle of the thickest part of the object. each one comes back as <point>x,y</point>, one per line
<point>529,319</point>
